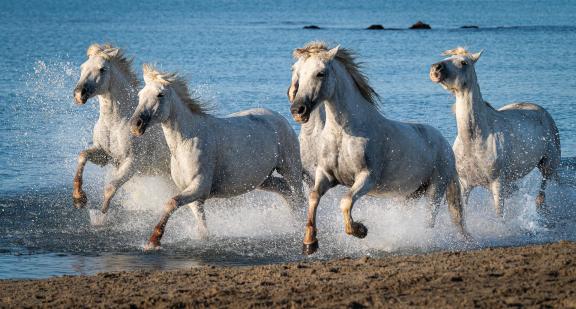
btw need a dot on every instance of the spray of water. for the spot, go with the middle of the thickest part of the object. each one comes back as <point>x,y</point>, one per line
<point>253,228</point>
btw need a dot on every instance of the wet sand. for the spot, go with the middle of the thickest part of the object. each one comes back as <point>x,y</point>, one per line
<point>531,276</point>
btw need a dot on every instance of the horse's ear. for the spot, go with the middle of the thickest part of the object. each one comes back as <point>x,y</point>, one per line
<point>112,52</point>
<point>333,52</point>
<point>476,56</point>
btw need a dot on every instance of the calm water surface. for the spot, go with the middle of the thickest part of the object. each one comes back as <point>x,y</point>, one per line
<point>238,55</point>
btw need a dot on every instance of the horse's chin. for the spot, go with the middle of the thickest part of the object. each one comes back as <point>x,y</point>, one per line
<point>301,119</point>
<point>80,100</point>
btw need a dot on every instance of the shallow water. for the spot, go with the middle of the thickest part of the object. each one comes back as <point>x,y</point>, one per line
<point>238,56</point>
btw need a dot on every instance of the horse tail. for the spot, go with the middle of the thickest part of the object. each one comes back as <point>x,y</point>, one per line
<point>456,205</point>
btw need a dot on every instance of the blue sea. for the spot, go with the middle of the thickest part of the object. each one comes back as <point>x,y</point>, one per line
<point>237,55</point>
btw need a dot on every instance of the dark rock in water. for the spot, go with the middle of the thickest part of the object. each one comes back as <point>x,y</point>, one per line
<point>312,27</point>
<point>375,27</point>
<point>469,27</point>
<point>420,25</point>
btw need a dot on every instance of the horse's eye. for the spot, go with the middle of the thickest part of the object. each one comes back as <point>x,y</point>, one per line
<point>160,94</point>
<point>102,69</point>
<point>463,63</point>
<point>320,74</point>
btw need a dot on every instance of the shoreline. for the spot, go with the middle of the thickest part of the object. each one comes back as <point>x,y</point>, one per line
<point>534,275</point>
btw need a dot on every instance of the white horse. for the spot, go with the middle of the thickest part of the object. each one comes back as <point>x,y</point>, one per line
<point>217,157</point>
<point>108,74</point>
<point>360,148</point>
<point>494,148</point>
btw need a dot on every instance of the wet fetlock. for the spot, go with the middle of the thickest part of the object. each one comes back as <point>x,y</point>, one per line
<point>152,246</point>
<point>79,199</point>
<point>310,242</point>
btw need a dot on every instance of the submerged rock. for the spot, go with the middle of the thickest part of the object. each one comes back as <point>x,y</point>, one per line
<point>314,27</point>
<point>420,25</point>
<point>469,27</point>
<point>375,27</point>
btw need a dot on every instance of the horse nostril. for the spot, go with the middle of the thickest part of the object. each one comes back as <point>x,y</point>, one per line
<point>301,110</point>
<point>139,123</point>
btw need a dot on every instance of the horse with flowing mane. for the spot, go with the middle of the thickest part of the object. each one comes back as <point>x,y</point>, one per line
<point>494,148</point>
<point>361,149</point>
<point>108,75</point>
<point>216,157</point>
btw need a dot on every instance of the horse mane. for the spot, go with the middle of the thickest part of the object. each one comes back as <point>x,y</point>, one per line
<point>347,58</point>
<point>115,55</point>
<point>458,51</point>
<point>179,85</point>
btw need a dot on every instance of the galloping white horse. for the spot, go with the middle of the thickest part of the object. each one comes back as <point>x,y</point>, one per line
<point>108,74</point>
<point>360,148</point>
<point>216,157</point>
<point>496,147</point>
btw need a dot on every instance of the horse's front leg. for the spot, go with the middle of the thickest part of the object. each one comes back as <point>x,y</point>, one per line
<point>93,154</point>
<point>193,194</point>
<point>323,182</point>
<point>362,185</point>
<point>497,188</point>
<point>123,173</point>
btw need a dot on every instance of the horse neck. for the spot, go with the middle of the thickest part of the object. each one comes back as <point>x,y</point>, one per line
<point>181,124</point>
<point>316,121</point>
<point>347,106</point>
<point>119,102</point>
<point>472,113</point>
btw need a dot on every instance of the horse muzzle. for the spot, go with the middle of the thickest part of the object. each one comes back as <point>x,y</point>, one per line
<point>81,95</point>
<point>437,74</point>
<point>138,125</point>
<point>300,112</point>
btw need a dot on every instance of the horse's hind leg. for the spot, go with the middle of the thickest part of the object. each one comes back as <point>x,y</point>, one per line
<point>455,201</point>
<point>189,196</point>
<point>197,208</point>
<point>547,172</point>
<point>95,155</point>
<point>362,185</point>
<point>123,173</point>
<point>291,169</point>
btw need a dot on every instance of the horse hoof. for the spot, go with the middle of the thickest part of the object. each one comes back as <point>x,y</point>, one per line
<point>80,201</point>
<point>308,249</point>
<point>150,246</point>
<point>359,230</point>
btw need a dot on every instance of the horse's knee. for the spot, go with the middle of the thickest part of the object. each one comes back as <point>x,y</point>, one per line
<point>82,157</point>
<point>171,205</point>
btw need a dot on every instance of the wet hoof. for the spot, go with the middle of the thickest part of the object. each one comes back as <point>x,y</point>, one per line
<point>80,200</point>
<point>540,200</point>
<point>359,230</point>
<point>151,246</point>
<point>308,249</point>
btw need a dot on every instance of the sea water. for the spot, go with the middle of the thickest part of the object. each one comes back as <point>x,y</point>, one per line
<point>237,55</point>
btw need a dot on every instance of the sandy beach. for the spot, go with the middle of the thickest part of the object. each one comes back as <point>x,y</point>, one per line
<point>531,276</point>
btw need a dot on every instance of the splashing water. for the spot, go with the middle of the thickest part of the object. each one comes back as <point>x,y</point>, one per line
<point>42,130</point>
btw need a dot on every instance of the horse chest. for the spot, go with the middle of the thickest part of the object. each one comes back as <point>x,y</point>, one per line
<point>477,161</point>
<point>343,158</point>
